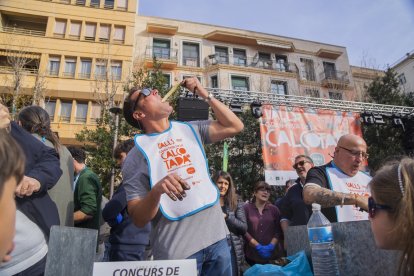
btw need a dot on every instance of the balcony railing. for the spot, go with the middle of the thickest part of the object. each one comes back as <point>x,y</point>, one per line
<point>336,76</point>
<point>84,75</point>
<point>29,71</point>
<point>22,31</point>
<point>161,53</point>
<point>250,62</point>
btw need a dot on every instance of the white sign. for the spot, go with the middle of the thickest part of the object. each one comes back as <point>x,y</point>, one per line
<point>143,268</point>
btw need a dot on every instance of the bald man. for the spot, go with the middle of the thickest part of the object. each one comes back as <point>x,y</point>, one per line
<point>339,186</point>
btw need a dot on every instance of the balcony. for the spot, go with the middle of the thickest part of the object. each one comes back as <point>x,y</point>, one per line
<point>252,62</point>
<point>10,70</point>
<point>23,24</point>
<point>334,79</point>
<point>166,56</point>
<point>22,31</point>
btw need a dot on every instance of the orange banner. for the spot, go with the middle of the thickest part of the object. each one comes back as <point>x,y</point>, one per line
<point>290,131</point>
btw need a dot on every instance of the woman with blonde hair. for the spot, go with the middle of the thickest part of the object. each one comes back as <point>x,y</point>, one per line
<point>391,210</point>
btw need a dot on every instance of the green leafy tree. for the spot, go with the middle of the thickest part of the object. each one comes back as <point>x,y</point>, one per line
<point>245,157</point>
<point>385,141</point>
<point>99,142</point>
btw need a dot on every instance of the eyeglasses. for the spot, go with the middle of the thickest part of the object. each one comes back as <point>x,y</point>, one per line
<point>300,163</point>
<point>146,92</point>
<point>264,189</point>
<point>356,153</point>
<point>373,206</point>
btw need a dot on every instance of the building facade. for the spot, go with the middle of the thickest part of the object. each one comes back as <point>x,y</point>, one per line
<point>234,59</point>
<point>405,72</point>
<point>76,47</point>
<point>69,48</point>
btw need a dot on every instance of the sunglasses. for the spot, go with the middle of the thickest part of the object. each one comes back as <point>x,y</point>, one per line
<point>373,206</point>
<point>263,189</point>
<point>146,92</point>
<point>300,163</point>
<point>356,153</point>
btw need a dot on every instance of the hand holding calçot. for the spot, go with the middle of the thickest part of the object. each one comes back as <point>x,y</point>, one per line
<point>174,186</point>
<point>27,187</point>
<point>194,85</point>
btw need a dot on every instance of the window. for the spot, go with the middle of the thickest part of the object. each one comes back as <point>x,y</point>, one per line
<point>70,66</point>
<point>240,83</point>
<point>265,61</point>
<point>239,57</point>
<point>75,29</point>
<point>90,31</point>
<point>105,31</point>
<point>85,71</point>
<point>329,70</point>
<point>54,64</point>
<point>119,35</point>
<point>401,79</point>
<point>335,95</point>
<point>161,48</point>
<point>312,92</point>
<point>65,111</point>
<point>167,80</point>
<point>116,69</point>
<point>281,63</point>
<point>50,107</point>
<point>95,3</point>
<point>191,54</point>
<point>60,28</point>
<point>81,112</point>
<point>214,81</point>
<point>100,69</point>
<point>278,87</point>
<point>96,111</point>
<point>122,4</point>
<point>307,69</point>
<point>222,55</point>
<point>109,4</point>
<point>80,2</point>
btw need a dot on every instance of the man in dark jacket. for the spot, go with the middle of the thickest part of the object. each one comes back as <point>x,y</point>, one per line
<point>127,241</point>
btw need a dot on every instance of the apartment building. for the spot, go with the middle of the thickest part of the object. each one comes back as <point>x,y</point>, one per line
<point>72,46</point>
<point>404,68</point>
<point>235,59</point>
<point>363,77</point>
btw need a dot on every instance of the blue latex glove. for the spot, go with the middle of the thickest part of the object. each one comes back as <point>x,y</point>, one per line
<point>262,251</point>
<point>119,218</point>
<point>266,251</point>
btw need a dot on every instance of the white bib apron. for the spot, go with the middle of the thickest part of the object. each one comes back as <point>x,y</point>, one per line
<point>357,184</point>
<point>178,150</point>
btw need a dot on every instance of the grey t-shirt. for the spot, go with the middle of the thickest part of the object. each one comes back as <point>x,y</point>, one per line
<point>174,239</point>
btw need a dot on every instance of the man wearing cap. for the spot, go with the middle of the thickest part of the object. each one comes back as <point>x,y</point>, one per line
<point>339,186</point>
<point>167,181</point>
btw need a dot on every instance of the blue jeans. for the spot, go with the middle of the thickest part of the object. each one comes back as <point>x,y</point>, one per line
<point>214,260</point>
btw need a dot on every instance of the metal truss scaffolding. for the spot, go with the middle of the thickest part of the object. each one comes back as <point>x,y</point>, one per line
<point>246,97</point>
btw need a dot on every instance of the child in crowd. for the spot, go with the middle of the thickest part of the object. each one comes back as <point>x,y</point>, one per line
<point>11,173</point>
<point>391,210</point>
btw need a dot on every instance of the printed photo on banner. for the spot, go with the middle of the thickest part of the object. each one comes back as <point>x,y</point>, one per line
<point>290,131</point>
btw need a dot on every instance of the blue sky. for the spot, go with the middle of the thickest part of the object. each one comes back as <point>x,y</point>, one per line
<point>375,32</point>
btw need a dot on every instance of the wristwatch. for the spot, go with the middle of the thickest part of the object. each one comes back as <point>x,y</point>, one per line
<point>209,97</point>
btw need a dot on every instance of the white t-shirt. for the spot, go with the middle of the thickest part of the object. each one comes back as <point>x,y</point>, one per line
<point>174,239</point>
<point>29,246</point>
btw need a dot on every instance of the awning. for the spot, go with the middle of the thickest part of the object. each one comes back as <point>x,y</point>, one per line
<point>10,53</point>
<point>276,44</point>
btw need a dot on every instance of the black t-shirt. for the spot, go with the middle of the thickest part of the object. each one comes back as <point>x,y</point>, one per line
<point>293,207</point>
<point>317,175</point>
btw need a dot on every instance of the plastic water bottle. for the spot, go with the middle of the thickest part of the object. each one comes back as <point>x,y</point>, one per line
<point>322,244</point>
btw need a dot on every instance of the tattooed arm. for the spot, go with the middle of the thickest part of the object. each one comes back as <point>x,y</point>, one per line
<point>313,193</point>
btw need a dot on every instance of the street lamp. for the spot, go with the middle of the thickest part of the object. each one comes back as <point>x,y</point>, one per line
<point>116,111</point>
